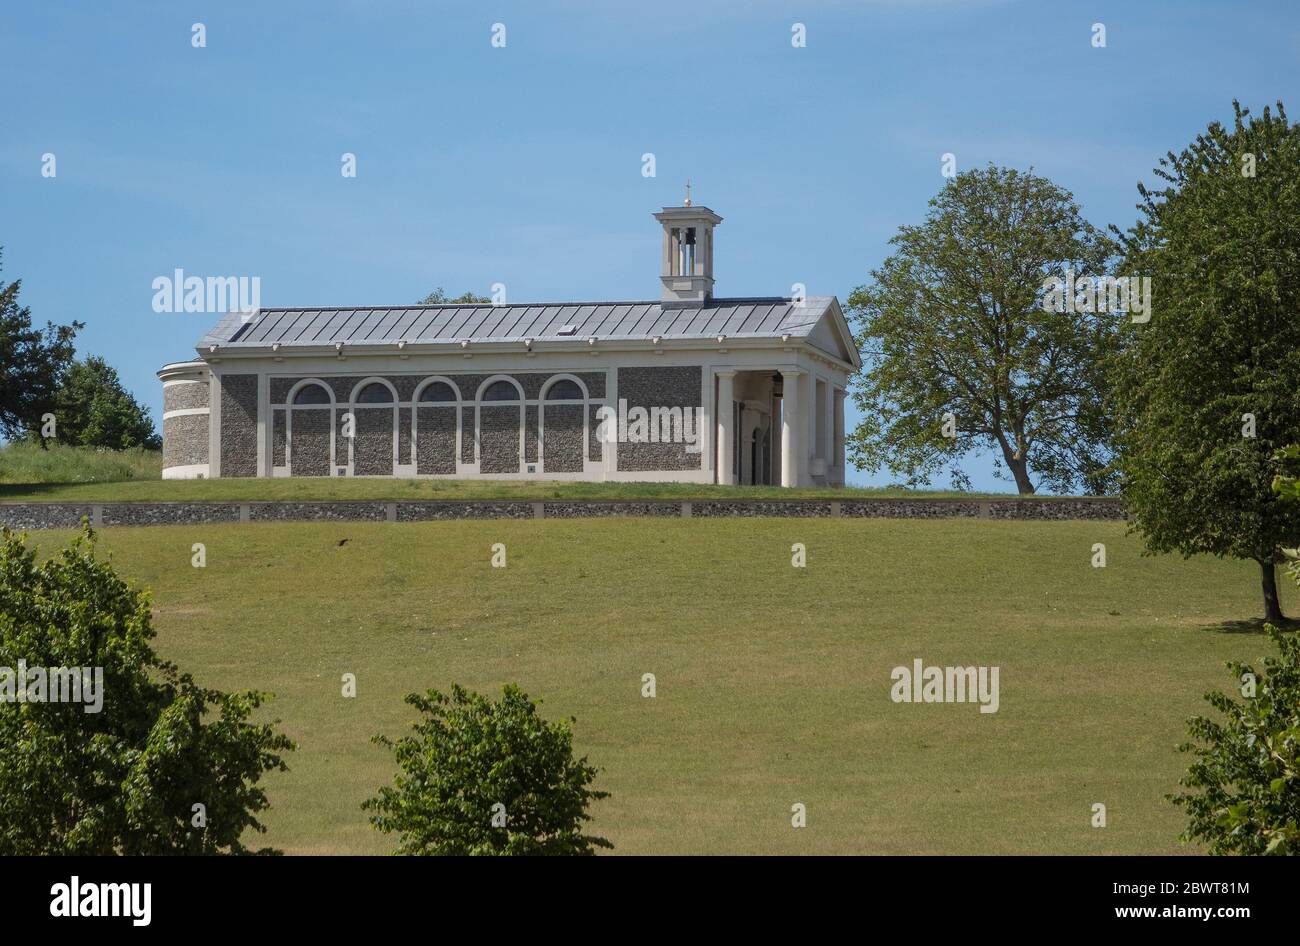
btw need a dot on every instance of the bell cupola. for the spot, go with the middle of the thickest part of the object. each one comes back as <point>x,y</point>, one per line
<point>687,268</point>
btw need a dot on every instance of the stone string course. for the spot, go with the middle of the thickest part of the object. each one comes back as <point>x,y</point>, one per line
<point>57,515</point>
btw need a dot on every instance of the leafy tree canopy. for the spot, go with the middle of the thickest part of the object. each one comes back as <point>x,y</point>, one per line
<point>93,409</point>
<point>439,297</point>
<point>125,779</point>
<point>1207,391</point>
<point>32,364</point>
<point>953,323</point>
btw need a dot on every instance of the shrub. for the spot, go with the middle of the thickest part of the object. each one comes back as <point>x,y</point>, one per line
<point>486,777</point>
<point>125,779</point>
<point>1247,768</point>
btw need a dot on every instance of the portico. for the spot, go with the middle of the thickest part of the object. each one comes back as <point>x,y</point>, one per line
<point>780,425</point>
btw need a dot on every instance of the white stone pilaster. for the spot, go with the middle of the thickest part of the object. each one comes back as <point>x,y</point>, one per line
<point>793,418</point>
<point>828,431</point>
<point>726,427</point>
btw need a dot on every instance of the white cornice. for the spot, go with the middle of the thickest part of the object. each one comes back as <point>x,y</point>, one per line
<point>463,348</point>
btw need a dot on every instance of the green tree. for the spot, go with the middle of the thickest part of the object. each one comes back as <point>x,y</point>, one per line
<point>93,409</point>
<point>1209,389</point>
<point>439,297</point>
<point>953,323</point>
<point>32,364</point>
<point>486,777</point>
<point>123,779</point>
<point>1245,778</point>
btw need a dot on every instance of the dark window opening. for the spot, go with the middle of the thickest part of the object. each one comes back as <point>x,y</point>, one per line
<point>375,393</point>
<point>438,391</point>
<point>564,390</point>
<point>312,394</point>
<point>501,391</point>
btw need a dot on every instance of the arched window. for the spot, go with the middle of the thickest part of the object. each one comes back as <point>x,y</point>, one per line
<point>564,390</point>
<point>501,391</point>
<point>375,393</point>
<point>312,394</point>
<point>438,391</point>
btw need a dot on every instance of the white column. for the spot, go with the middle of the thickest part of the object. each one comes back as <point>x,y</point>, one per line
<point>828,431</point>
<point>808,433</point>
<point>774,470</point>
<point>791,420</point>
<point>726,427</point>
<point>837,442</point>
<point>817,427</point>
<point>265,426</point>
<point>609,451</point>
<point>214,425</point>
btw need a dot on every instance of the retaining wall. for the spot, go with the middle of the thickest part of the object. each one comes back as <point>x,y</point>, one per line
<point>59,515</point>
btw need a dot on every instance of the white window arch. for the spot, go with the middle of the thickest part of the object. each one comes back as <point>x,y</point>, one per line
<point>291,405</point>
<point>365,383</point>
<point>545,399</point>
<point>437,379</point>
<point>304,383</point>
<point>556,378</point>
<point>479,403</point>
<point>491,381</point>
<point>416,404</point>
<point>353,404</point>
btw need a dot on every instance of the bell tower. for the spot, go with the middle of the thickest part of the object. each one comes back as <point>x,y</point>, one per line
<point>687,268</point>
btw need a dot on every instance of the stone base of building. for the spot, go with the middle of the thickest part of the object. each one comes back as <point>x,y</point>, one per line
<point>194,471</point>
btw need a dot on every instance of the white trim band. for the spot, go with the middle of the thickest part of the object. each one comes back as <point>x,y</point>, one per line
<point>186,412</point>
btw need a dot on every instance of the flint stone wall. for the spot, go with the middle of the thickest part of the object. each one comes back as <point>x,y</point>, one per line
<point>57,515</point>
<point>185,440</point>
<point>238,425</point>
<point>669,387</point>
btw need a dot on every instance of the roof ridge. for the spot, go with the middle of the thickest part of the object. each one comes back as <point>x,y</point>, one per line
<point>717,301</point>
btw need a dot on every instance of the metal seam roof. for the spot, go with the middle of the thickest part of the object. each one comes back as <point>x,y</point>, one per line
<point>291,327</point>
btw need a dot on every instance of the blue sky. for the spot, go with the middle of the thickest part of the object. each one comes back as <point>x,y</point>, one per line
<point>522,165</point>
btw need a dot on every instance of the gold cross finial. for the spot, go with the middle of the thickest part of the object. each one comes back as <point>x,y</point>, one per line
<point>688,193</point>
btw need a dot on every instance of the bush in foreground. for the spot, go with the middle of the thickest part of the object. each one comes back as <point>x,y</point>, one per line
<point>486,777</point>
<point>125,777</point>
<point>1246,776</point>
<point>1247,769</point>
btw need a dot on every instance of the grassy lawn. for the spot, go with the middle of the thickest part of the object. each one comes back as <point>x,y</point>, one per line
<point>27,465</point>
<point>773,682</point>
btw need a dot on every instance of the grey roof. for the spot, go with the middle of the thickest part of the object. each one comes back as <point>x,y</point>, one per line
<point>423,324</point>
